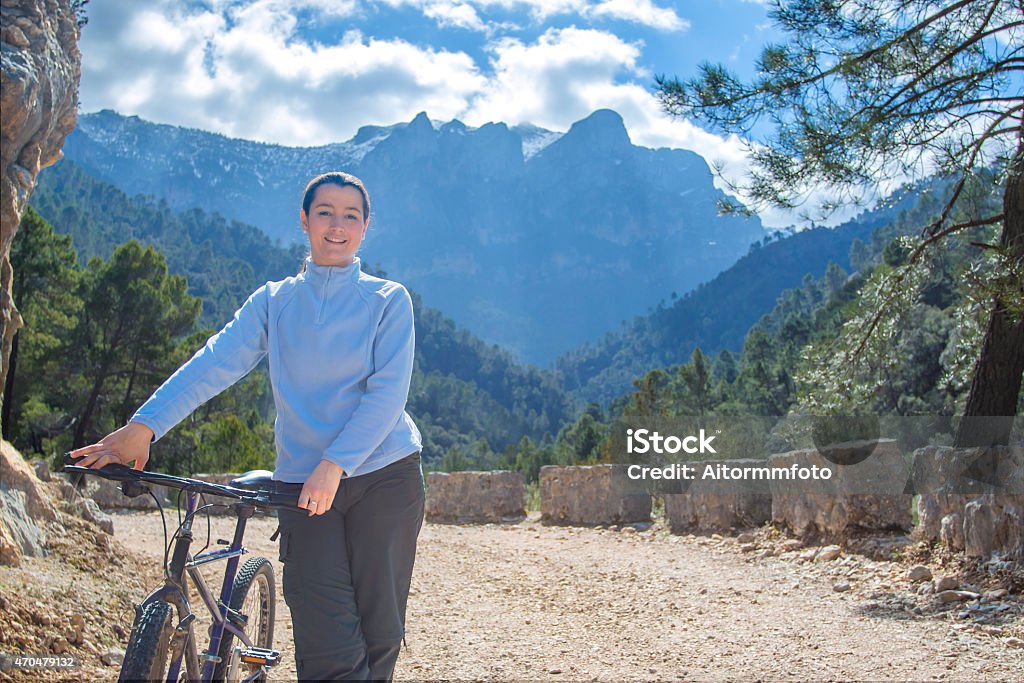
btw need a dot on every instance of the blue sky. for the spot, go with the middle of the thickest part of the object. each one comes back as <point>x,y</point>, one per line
<point>311,72</point>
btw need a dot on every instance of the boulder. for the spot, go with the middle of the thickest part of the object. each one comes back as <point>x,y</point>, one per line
<point>951,531</point>
<point>591,495</point>
<point>87,509</point>
<point>16,473</point>
<point>935,512</point>
<point>994,524</point>
<point>867,495</point>
<point>475,497</point>
<point>25,508</point>
<point>42,469</point>
<point>10,548</point>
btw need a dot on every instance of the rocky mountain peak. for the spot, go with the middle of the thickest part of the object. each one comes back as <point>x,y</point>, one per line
<point>604,128</point>
<point>420,124</point>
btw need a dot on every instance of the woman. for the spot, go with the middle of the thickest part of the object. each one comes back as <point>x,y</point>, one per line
<point>340,347</point>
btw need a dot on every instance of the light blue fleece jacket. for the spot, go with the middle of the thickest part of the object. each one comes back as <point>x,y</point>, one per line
<point>340,346</point>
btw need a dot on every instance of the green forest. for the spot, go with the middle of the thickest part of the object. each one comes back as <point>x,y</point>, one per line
<point>798,358</point>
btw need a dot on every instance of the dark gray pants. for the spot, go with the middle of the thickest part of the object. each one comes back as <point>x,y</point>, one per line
<point>347,573</point>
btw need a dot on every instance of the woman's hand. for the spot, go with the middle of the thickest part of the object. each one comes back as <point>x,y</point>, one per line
<point>318,492</point>
<point>127,444</point>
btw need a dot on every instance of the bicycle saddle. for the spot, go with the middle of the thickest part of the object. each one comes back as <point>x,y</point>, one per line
<point>253,480</point>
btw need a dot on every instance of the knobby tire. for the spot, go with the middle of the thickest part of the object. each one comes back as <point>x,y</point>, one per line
<point>146,657</point>
<point>253,595</point>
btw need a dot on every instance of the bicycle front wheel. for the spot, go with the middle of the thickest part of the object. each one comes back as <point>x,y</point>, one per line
<point>145,658</point>
<point>252,594</point>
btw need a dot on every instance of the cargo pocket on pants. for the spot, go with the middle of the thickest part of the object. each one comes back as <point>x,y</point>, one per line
<point>291,582</point>
<point>282,549</point>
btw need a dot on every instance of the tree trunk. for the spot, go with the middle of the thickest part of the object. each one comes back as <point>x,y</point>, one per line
<point>125,405</point>
<point>995,388</point>
<point>8,400</point>
<point>84,422</point>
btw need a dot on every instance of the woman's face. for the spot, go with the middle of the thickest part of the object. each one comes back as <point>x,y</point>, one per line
<point>335,224</point>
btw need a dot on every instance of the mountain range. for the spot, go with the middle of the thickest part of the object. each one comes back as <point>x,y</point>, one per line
<point>535,240</point>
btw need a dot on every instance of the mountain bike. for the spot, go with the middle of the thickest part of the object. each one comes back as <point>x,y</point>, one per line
<point>241,634</point>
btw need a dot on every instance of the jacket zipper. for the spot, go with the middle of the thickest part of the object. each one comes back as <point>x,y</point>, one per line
<point>323,300</point>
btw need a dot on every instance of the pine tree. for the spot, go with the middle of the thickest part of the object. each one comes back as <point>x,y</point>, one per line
<point>44,289</point>
<point>866,92</point>
<point>133,312</point>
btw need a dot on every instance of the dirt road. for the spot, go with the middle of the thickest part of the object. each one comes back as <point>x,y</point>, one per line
<point>528,601</point>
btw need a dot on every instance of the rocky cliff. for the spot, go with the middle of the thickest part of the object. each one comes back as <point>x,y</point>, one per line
<point>40,66</point>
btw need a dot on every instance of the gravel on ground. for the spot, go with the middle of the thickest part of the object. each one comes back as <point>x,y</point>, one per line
<point>528,601</point>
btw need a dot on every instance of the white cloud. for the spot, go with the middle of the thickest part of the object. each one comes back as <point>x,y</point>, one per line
<point>466,13</point>
<point>641,12</point>
<point>457,14</point>
<point>246,72</point>
<point>555,80</point>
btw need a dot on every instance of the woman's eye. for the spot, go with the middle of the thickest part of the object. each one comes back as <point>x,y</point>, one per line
<point>351,217</point>
<point>324,212</point>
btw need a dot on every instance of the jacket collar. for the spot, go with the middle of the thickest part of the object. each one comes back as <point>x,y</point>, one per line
<point>318,273</point>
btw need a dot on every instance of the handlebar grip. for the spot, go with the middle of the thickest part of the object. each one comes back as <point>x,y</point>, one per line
<point>112,468</point>
<point>115,469</point>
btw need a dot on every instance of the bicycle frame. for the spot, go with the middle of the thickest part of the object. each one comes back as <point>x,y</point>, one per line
<point>183,642</point>
<point>226,621</point>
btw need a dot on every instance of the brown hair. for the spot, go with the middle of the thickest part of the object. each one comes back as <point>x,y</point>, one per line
<point>341,179</point>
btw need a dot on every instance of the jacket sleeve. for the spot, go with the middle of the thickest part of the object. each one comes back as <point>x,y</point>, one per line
<point>387,388</point>
<point>227,356</point>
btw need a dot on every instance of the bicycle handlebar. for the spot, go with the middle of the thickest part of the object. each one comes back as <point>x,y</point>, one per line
<point>115,472</point>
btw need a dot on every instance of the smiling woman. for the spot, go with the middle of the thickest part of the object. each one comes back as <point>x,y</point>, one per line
<point>340,345</point>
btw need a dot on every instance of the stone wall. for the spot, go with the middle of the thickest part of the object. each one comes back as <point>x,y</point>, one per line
<point>866,495</point>
<point>972,499</point>
<point>475,497</point>
<point>708,505</point>
<point>590,495</point>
